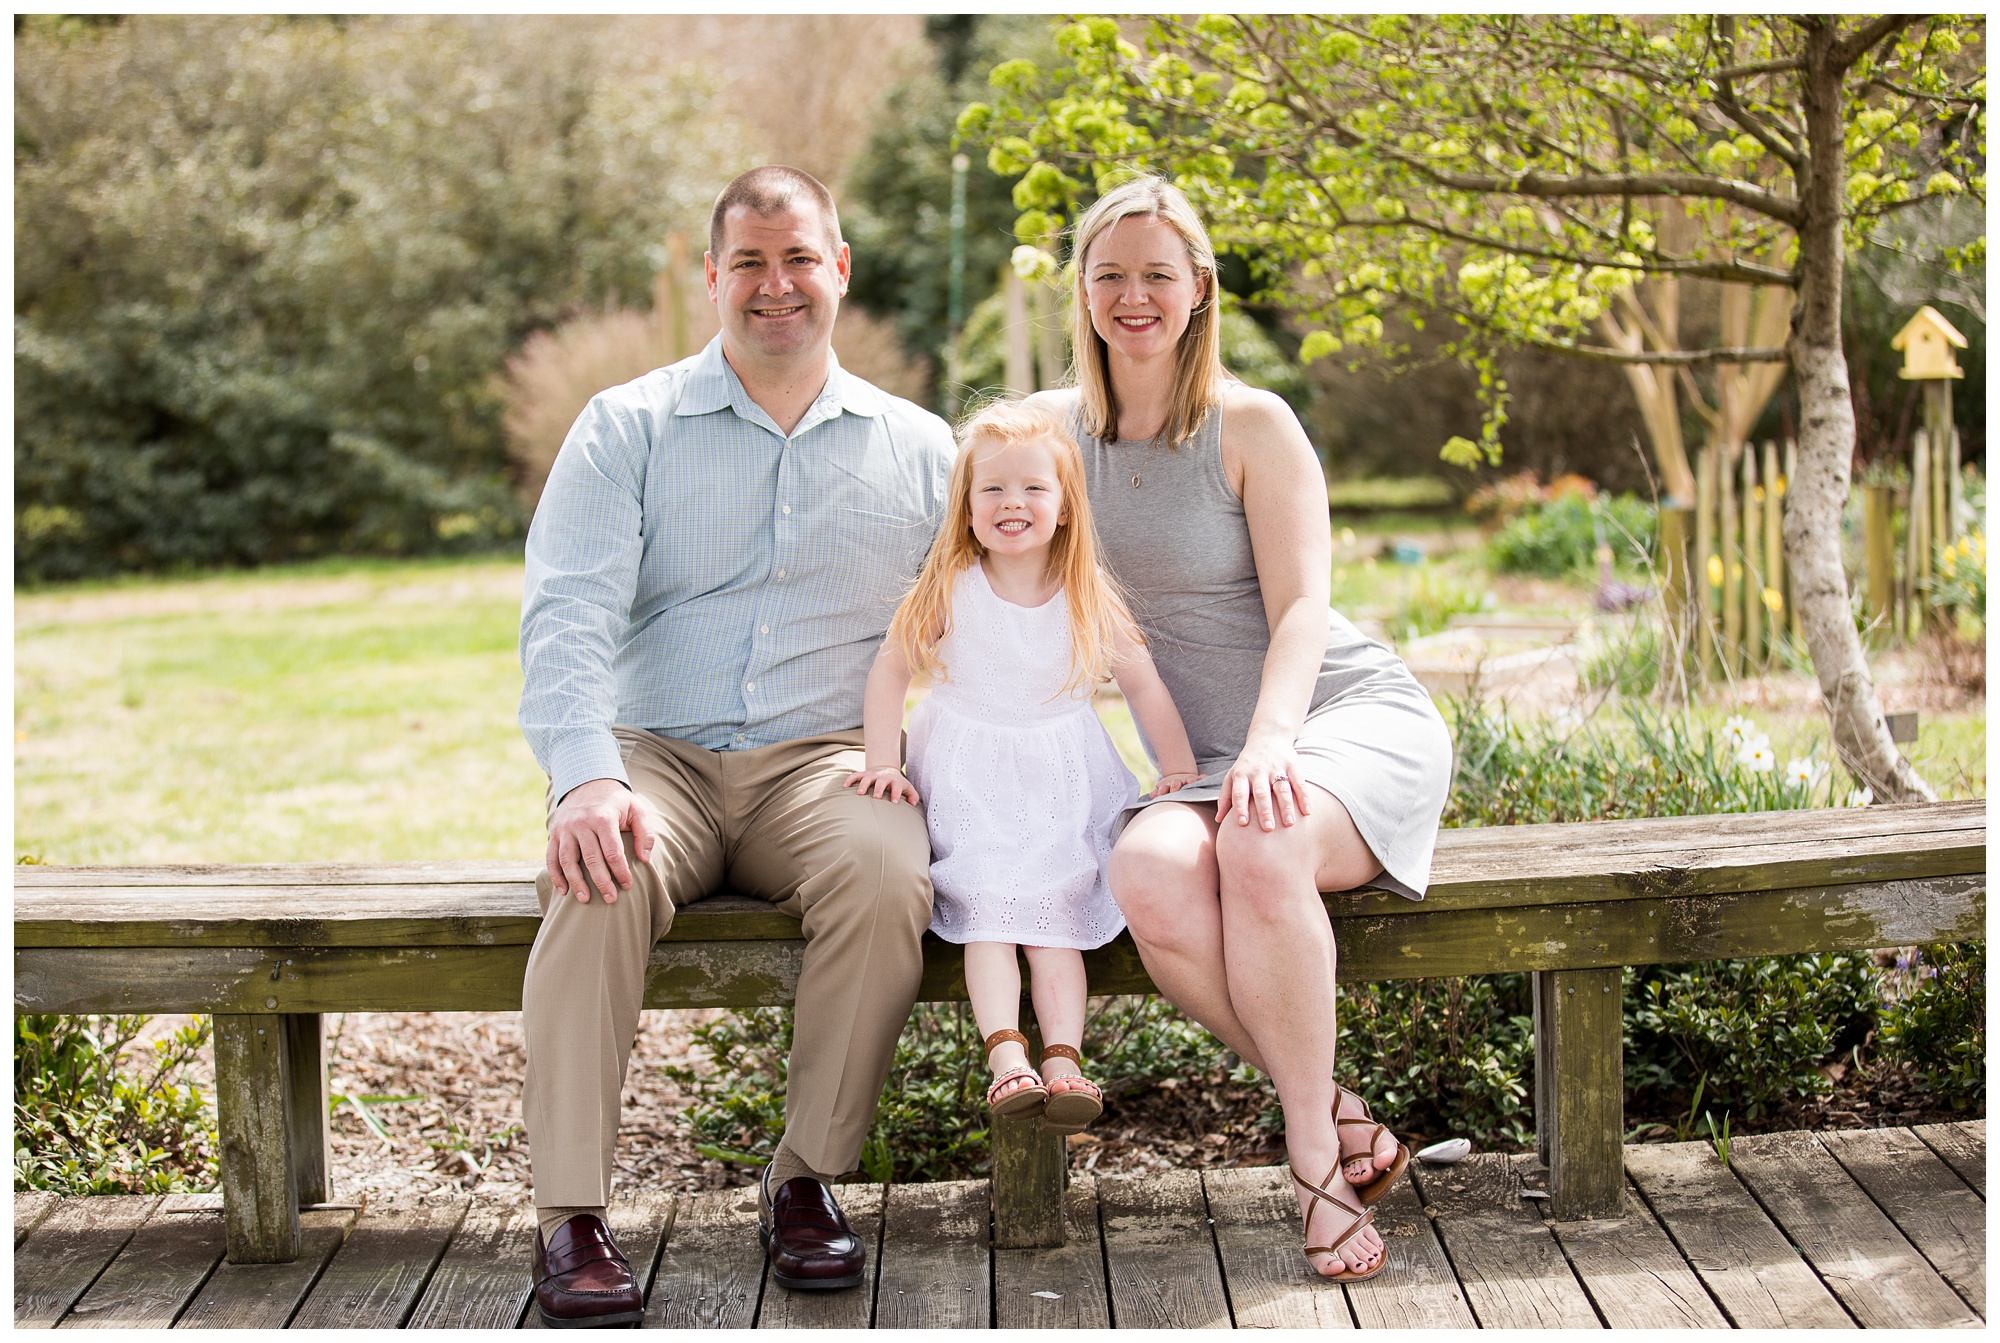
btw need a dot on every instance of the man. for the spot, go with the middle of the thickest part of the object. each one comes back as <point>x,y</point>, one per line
<point>715,558</point>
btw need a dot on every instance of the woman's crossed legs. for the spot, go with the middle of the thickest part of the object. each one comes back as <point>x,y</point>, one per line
<point>1229,922</point>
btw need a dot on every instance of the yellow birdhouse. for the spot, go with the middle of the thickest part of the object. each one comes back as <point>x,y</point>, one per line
<point>1926,342</point>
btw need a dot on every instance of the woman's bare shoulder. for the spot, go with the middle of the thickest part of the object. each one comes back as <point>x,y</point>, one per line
<point>1258,421</point>
<point>1255,407</point>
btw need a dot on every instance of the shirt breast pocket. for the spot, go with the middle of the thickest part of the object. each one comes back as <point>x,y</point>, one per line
<point>878,557</point>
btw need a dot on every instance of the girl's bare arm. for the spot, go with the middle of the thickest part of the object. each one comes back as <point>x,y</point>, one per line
<point>1153,709</point>
<point>882,730</point>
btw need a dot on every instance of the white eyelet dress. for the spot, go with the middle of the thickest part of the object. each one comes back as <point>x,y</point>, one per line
<point>1020,783</point>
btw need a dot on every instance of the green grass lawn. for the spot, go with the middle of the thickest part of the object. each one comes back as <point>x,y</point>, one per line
<point>363,710</point>
<point>325,712</point>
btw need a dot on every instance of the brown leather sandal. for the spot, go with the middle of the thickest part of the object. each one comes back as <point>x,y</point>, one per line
<point>1373,1190</point>
<point>1074,1102</point>
<point>1022,1102</point>
<point>1363,1217</point>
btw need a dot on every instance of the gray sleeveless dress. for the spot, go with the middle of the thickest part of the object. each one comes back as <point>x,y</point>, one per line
<point>1174,534</point>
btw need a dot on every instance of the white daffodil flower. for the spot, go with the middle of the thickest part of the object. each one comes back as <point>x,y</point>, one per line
<point>1805,771</point>
<point>1759,758</point>
<point>1861,797</point>
<point>1739,729</point>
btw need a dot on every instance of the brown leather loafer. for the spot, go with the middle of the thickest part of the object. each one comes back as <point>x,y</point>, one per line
<point>812,1248</point>
<point>582,1278</point>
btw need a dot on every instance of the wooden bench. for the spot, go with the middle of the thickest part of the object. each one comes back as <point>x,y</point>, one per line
<point>267,949</point>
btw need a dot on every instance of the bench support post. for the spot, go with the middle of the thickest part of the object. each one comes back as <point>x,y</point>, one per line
<point>312,1148</point>
<point>1030,1170</point>
<point>253,1085</point>
<point>1580,1090</point>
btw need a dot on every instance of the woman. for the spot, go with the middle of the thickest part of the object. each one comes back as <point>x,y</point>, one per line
<point>1325,763</point>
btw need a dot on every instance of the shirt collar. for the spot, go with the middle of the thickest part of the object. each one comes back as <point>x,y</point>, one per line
<point>712,385</point>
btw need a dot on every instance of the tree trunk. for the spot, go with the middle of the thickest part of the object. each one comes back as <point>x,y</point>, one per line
<point>1826,444</point>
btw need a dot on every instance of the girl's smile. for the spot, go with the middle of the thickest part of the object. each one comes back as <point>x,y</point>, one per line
<point>1017,502</point>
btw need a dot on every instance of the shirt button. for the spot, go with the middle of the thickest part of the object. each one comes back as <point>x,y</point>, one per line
<point>749,686</point>
<point>781,573</point>
<point>786,509</point>
<point>763,629</point>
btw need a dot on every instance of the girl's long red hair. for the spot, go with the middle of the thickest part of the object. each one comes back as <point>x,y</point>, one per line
<point>1099,619</point>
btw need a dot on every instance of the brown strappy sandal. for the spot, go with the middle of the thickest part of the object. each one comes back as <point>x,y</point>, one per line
<point>1023,1102</point>
<point>1362,1217</point>
<point>1372,1191</point>
<point>1073,1101</point>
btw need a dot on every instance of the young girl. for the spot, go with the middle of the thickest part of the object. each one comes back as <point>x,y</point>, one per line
<point>1015,623</point>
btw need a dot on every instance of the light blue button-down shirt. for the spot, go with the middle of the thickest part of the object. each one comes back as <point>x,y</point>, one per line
<point>696,572</point>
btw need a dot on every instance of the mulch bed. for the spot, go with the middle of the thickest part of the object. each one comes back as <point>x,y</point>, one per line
<point>459,1127</point>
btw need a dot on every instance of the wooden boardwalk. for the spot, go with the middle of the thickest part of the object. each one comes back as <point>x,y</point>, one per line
<point>1878,1228</point>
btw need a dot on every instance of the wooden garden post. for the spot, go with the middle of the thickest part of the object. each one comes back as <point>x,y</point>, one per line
<point>1732,569</point>
<point>1753,567</point>
<point>1791,597</point>
<point>1707,567</point>
<point>1927,341</point>
<point>1774,545</point>
<point>1678,595</point>
<point>1880,544</point>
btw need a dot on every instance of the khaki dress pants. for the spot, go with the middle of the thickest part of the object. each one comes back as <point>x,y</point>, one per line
<point>772,822</point>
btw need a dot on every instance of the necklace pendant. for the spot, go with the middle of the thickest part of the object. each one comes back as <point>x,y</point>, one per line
<point>1135,480</point>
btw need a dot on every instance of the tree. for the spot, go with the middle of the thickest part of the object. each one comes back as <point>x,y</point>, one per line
<point>1510,174</point>
<point>266,270</point>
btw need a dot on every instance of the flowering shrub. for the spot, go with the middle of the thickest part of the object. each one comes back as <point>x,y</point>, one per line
<point>1958,578</point>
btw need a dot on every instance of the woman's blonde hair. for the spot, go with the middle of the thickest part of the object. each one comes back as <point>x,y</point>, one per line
<point>1198,372</point>
<point>1098,615</point>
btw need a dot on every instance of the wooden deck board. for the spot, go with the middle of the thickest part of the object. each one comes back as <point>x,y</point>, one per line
<point>266,1296</point>
<point>68,1250</point>
<point>1159,1253</point>
<point>1258,1239</point>
<point>1746,1263</point>
<point>481,1282</point>
<point>30,1207</point>
<point>1878,1276</point>
<point>1926,1200</point>
<point>378,1273</point>
<point>1507,1260</point>
<point>712,1269</point>
<point>1869,1226</point>
<point>847,1309</point>
<point>159,1271</point>
<point>1635,1276</point>
<point>935,1257</point>
<point>1418,1289</point>
<point>1962,1147</point>
<point>1057,1288</point>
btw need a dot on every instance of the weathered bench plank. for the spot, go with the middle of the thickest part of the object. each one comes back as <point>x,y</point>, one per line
<point>281,944</point>
<point>493,904</point>
<point>1416,942</point>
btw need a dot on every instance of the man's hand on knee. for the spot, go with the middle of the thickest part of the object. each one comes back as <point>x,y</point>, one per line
<point>583,837</point>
